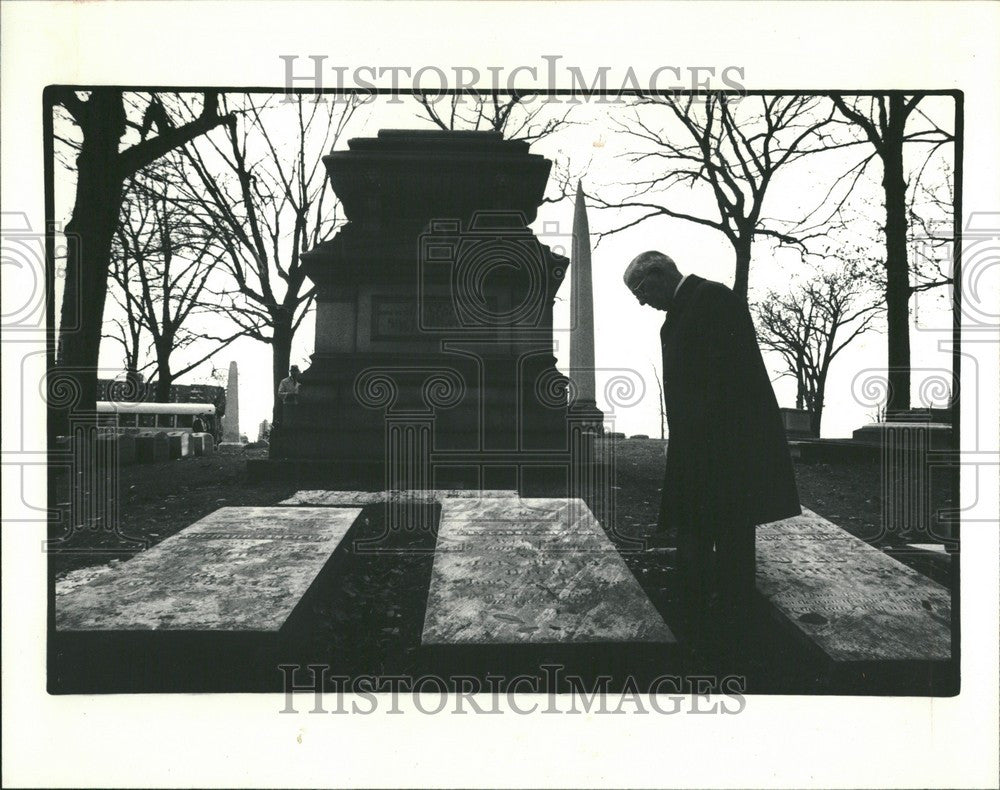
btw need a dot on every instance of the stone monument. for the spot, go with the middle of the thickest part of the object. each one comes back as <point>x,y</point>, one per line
<point>915,446</point>
<point>797,423</point>
<point>433,360</point>
<point>581,343</point>
<point>231,419</point>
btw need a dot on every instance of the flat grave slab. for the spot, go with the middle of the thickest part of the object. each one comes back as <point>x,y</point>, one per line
<point>361,498</point>
<point>532,571</point>
<point>237,569</point>
<point>849,599</point>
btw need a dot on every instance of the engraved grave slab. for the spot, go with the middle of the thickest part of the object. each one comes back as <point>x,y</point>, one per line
<point>532,571</point>
<point>851,600</point>
<point>362,498</point>
<point>237,569</point>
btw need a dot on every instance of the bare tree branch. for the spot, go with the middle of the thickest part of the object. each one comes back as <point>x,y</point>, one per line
<point>733,151</point>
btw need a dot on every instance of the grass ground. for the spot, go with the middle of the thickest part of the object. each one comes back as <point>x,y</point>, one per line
<point>156,500</point>
<point>369,613</point>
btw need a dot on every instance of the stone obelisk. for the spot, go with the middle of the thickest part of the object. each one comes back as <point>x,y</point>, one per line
<point>231,419</point>
<point>581,343</point>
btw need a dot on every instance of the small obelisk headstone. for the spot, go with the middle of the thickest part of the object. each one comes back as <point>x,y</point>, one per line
<point>581,348</point>
<point>231,419</point>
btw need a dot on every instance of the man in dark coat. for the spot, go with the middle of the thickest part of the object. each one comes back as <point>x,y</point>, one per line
<point>728,467</point>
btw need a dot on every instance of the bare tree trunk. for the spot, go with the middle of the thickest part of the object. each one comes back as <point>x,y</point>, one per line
<point>897,269</point>
<point>888,135</point>
<point>101,172</point>
<point>88,235</point>
<point>741,283</point>
<point>164,380</point>
<point>800,382</point>
<point>816,413</point>
<point>281,356</point>
<point>134,384</point>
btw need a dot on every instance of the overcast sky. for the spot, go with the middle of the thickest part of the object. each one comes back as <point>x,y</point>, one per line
<point>626,335</point>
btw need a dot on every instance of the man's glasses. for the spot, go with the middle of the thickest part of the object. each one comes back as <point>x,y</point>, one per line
<point>640,289</point>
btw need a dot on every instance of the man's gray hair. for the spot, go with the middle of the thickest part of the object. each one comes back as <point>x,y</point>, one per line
<point>646,262</point>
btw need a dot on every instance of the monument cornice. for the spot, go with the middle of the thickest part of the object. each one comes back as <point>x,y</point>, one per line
<point>404,175</point>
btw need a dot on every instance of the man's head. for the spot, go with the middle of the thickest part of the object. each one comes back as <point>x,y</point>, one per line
<point>294,371</point>
<point>652,277</point>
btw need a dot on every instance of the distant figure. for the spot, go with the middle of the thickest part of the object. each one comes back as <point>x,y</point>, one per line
<point>288,392</point>
<point>198,424</point>
<point>728,467</point>
<point>288,389</point>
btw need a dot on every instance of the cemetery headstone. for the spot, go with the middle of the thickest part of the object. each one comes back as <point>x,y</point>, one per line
<point>237,569</point>
<point>850,600</point>
<point>361,498</point>
<point>151,447</point>
<point>797,423</point>
<point>531,571</point>
<point>179,444</point>
<point>124,450</point>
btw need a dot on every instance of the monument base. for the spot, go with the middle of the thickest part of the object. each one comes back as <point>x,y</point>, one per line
<point>586,414</point>
<point>907,435</point>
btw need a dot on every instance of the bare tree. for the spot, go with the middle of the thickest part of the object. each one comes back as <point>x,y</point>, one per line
<point>731,149</point>
<point>517,116</point>
<point>930,235</point>
<point>931,210</point>
<point>810,324</point>
<point>267,204</point>
<point>114,143</point>
<point>128,329</point>
<point>884,120</point>
<point>166,264</point>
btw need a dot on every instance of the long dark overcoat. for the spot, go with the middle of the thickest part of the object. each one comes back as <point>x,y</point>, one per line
<point>727,456</point>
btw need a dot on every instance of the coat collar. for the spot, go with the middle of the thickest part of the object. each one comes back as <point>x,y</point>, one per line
<point>681,299</point>
<point>685,290</point>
